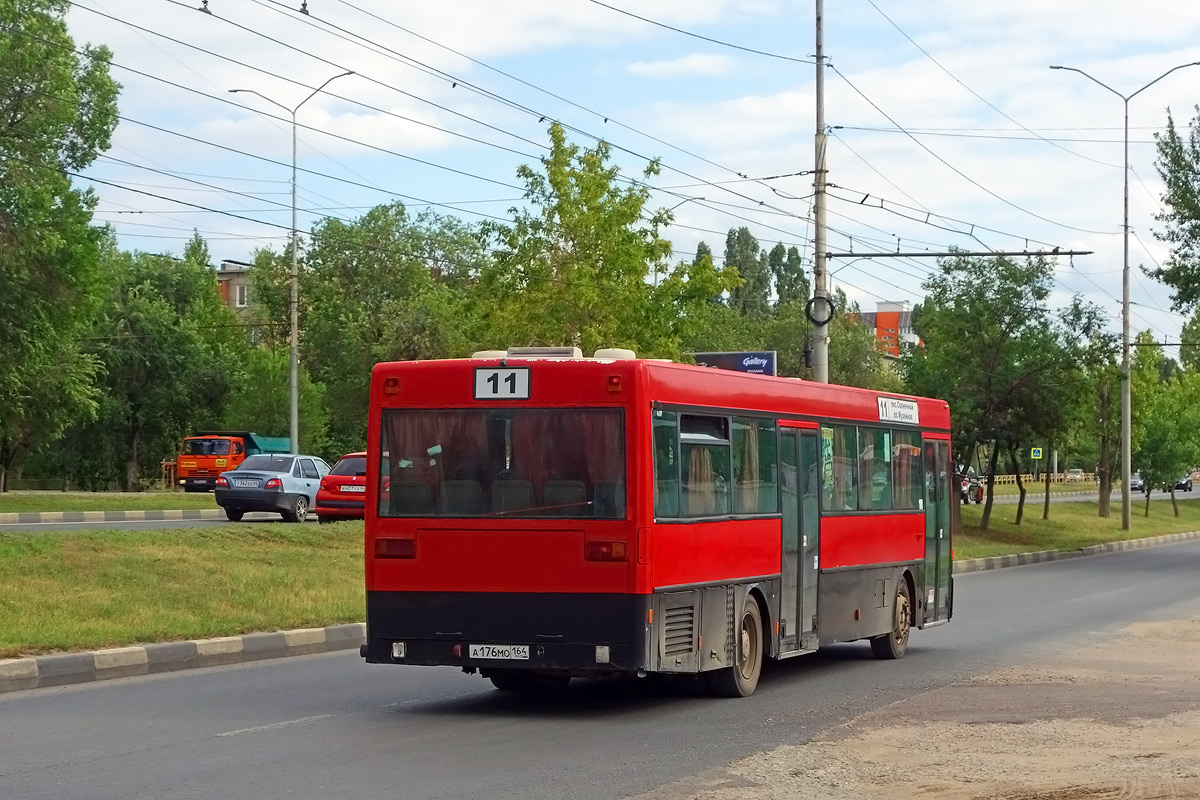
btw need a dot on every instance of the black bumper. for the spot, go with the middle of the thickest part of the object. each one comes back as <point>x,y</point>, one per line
<point>198,483</point>
<point>255,500</point>
<point>562,630</point>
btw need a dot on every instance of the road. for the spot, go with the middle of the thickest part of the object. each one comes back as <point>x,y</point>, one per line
<point>330,726</point>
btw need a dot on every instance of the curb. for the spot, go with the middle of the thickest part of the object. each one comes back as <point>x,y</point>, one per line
<point>61,669</point>
<point>27,517</point>
<point>1041,556</point>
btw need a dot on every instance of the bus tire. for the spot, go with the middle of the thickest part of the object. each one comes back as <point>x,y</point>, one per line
<point>894,644</point>
<point>741,679</point>
<point>234,514</point>
<point>507,680</point>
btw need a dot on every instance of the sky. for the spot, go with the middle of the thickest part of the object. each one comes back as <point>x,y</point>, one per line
<point>947,127</point>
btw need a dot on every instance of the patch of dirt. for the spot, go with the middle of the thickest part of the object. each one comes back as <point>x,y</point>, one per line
<point>1119,718</point>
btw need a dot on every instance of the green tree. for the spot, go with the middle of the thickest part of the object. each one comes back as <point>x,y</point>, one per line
<point>791,282</point>
<point>58,109</point>
<point>993,349</point>
<point>384,287</point>
<point>1178,165</point>
<point>1166,438</point>
<point>170,352</point>
<point>574,269</point>
<point>752,297</point>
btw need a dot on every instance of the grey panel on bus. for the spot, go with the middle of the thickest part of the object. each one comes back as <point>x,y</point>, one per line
<point>676,616</point>
<point>716,626</point>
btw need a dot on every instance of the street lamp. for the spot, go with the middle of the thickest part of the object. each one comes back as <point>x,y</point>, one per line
<point>294,303</point>
<point>1126,400</point>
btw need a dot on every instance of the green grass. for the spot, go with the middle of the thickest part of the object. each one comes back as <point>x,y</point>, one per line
<point>89,590</point>
<point>1071,526</point>
<point>104,501</point>
<point>83,591</point>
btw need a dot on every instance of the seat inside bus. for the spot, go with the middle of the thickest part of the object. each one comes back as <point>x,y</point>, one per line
<point>565,498</point>
<point>462,497</point>
<point>511,496</point>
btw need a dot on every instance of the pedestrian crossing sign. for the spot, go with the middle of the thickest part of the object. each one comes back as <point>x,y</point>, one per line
<point>1035,453</point>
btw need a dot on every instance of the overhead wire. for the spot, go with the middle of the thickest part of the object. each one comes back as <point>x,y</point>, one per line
<point>955,169</point>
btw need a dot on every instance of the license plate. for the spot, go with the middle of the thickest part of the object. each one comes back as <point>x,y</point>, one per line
<point>245,483</point>
<point>350,487</point>
<point>501,652</point>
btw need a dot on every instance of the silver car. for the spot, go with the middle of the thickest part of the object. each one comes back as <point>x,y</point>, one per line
<point>286,484</point>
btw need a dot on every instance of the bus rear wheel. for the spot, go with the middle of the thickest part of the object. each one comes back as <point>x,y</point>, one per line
<point>741,679</point>
<point>895,644</point>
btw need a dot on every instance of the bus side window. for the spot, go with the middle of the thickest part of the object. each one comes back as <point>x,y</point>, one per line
<point>237,448</point>
<point>666,464</point>
<point>906,470</point>
<point>839,467</point>
<point>756,482</point>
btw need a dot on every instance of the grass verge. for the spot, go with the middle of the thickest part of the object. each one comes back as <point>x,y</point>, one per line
<point>90,590</point>
<point>1071,526</point>
<point>84,591</point>
<point>104,501</point>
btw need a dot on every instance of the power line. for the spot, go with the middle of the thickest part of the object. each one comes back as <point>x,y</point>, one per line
<point>980,97</point>
<point>704,38</point>
<point>955,169</point>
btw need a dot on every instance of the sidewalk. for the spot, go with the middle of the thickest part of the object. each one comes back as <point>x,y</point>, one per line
<point>61,669</point>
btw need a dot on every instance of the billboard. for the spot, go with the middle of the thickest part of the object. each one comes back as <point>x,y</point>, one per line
<point>760,362</point>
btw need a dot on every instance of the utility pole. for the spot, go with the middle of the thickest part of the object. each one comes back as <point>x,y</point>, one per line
<point>820,310</point>
<point>1126,390</point>
<point>294,294</point>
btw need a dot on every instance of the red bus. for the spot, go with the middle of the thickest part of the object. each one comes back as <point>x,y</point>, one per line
<point>535,516</point>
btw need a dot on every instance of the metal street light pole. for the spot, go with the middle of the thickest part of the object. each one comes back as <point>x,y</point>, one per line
<point>1126,394</point>
<point>294,302</point>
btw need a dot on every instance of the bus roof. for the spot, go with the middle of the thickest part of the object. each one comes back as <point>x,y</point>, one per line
<point>449,383</point>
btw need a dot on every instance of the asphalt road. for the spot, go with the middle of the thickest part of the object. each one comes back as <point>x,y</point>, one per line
<point>330,726</point>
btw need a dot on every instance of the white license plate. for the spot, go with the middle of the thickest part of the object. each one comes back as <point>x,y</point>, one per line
<point>351,487</point>
<point>501,652</point>
<point>245,483</point>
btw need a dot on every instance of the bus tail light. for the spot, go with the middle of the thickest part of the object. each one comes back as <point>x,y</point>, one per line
<point>395,548</point>
<point>391,385</point>
<point>274,483</point>
<point>605,551</point>
<point>220,481</point>
<point>614,383</point>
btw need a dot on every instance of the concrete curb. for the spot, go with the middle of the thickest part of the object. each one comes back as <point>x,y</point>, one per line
<point>61,669</point>
<point>1041,556</point>
<point>30,517</point>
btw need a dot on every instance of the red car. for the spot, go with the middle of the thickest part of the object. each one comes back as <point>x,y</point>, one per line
<point>344,490</point>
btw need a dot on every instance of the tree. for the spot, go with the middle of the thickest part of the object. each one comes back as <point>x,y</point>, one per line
<point>383,287</point>
<point>170,352</point>
<point>992,348</point>
<point>752,297</point>
<point>58,108</point>
<point>791,282</point>
<point>1167,441</point>
<point>1178,165</point>
<point>573,270</point>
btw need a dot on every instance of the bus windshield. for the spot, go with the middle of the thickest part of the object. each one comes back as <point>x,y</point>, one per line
<point>206,447</point>
<point>509,463</point>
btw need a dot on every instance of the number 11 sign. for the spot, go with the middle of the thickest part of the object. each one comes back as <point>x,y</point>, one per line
<point>502,384</point>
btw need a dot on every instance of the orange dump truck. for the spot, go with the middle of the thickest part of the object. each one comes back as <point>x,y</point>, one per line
<point>207,454</point>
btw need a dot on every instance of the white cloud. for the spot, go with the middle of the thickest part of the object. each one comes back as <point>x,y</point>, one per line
<point>707,64</point>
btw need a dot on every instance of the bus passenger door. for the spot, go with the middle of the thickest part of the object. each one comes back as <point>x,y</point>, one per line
<point>939,474</point>
<point>800,518</point>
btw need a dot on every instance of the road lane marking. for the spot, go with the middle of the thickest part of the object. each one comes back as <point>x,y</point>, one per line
<point>274,725</point>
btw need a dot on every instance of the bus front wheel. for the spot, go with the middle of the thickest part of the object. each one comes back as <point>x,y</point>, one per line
<point>741,679</point>
<point>895,643</point>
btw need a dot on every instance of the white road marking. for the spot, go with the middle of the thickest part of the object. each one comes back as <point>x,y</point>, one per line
<point>274,725</point>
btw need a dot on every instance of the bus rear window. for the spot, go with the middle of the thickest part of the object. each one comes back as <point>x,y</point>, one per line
<point>509,463</point>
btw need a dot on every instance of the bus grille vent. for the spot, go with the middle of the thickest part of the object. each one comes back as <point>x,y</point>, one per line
<point>680,634</point>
